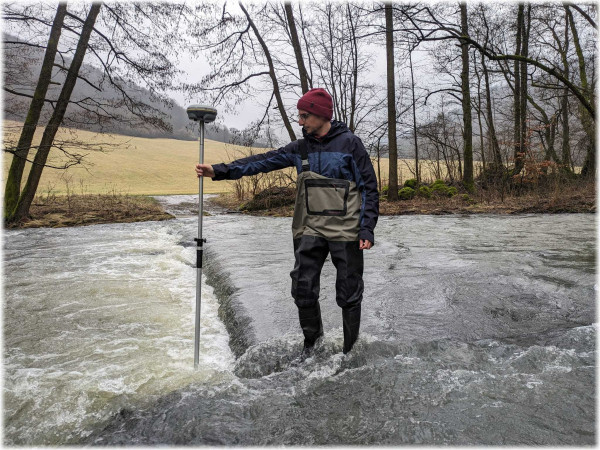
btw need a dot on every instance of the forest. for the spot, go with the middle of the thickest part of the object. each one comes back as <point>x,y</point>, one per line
<point>487,97</point>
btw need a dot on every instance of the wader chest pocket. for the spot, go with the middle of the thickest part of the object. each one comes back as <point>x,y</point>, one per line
<point>326,197</point>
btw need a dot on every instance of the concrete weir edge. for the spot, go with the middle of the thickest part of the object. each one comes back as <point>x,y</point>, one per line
<point>231,311</point>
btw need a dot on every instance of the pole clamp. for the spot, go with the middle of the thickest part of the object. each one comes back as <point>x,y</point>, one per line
<point>199,251</point>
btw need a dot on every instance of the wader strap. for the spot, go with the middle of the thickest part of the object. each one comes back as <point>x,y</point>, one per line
<point>303,155</point>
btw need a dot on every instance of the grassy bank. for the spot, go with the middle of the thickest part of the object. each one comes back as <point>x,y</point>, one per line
<point>72,210</point>
<point>86,209</point>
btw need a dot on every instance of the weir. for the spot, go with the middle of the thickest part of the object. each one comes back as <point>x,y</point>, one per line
<point>427,278</point>
<point>477,331</point>
<point>232,312</point>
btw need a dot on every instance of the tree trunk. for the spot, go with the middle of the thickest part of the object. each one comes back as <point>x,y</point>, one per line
<point>589,164</point>
<point>289,12</point>
<point>354,46</point>
<point>336,103</point>
<point>276,90</point>
<point>517,96</point>
<point>479,113</point>
<point>467,177</point>
<point>496,154</point>
<point>564,103</point>
<point>412,78</point>
<point>379,164</point>
<point>526,26</point>
<point>551,138</point>
<point>309,71</point>
<point>549,132</point>
<point>391,99</point>
<point>15,173</point>
<point>566,147</point>
<point>24,203</point>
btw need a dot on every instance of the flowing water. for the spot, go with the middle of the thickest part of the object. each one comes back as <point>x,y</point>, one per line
<point>476,330</point>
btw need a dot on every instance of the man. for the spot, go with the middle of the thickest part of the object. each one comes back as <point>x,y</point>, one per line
<point>337,206</point>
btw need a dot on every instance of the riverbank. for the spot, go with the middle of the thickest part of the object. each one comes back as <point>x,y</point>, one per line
<point>76,210</point>
<point>576,199</point>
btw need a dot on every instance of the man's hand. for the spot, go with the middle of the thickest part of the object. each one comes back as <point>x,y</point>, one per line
<point>204,170</point>
<point>365,244</point>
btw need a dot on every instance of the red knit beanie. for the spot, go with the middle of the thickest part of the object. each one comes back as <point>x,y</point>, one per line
<point>318,102</point>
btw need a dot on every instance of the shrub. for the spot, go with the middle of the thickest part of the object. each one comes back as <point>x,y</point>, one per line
<point>385,190</point>
<point>406,193</point>
<point>424,191</point>
<point>441,189</point>
<point>468,199</point>
<point>273,197</point>
<point>411,183</point>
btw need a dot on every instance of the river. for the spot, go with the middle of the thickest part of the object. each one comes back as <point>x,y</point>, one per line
<point>477,330</point>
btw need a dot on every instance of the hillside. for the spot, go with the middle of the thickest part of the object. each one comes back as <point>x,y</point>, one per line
<point>22,67</point>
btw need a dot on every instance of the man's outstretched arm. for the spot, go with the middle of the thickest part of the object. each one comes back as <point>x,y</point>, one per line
<point>251,165</point>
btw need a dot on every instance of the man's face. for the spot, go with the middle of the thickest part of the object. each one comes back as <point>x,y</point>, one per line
<point>311,123</point>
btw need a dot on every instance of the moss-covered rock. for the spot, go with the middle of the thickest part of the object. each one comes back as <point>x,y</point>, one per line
<point>406,193</point>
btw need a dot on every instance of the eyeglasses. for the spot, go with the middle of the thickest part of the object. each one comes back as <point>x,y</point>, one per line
<point>304,116</point>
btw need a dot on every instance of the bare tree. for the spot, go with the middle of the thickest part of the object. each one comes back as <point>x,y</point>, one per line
<point>22,208</point>
<point>414,114</point>
<point>276,90</point>
<point>15,173</point>
<point>391,102</point>
<point>302,74</point>
<point>126,57</point>
<point>466,104</point>
<point>587,117</point>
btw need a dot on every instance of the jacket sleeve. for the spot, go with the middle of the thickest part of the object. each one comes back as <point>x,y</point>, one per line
<point>370,194</point>
<point>263,162</point>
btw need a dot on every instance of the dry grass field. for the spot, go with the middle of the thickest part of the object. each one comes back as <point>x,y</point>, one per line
<point>145,166</point>
<point>132,165</point>
<point>406,170</point>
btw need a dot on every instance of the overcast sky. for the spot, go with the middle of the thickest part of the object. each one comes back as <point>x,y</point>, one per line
<point>197,67</point>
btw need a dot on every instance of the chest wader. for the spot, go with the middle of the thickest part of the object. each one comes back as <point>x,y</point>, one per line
<point>326,221</point>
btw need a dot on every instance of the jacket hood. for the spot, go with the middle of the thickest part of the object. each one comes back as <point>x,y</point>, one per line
<point>337,128</point>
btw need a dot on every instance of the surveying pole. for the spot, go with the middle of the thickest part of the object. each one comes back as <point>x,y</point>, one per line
<point>202,114</point>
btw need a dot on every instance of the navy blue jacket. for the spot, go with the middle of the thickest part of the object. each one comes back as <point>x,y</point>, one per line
<point>338,154</point>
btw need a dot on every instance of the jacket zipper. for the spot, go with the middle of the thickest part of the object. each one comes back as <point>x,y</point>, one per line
<point>319,158</point>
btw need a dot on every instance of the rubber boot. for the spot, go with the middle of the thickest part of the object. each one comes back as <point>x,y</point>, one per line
<point>351,322</point>
<point>311,324</point>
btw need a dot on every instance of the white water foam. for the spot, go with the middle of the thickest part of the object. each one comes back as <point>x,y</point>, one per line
<point>108,325</point>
